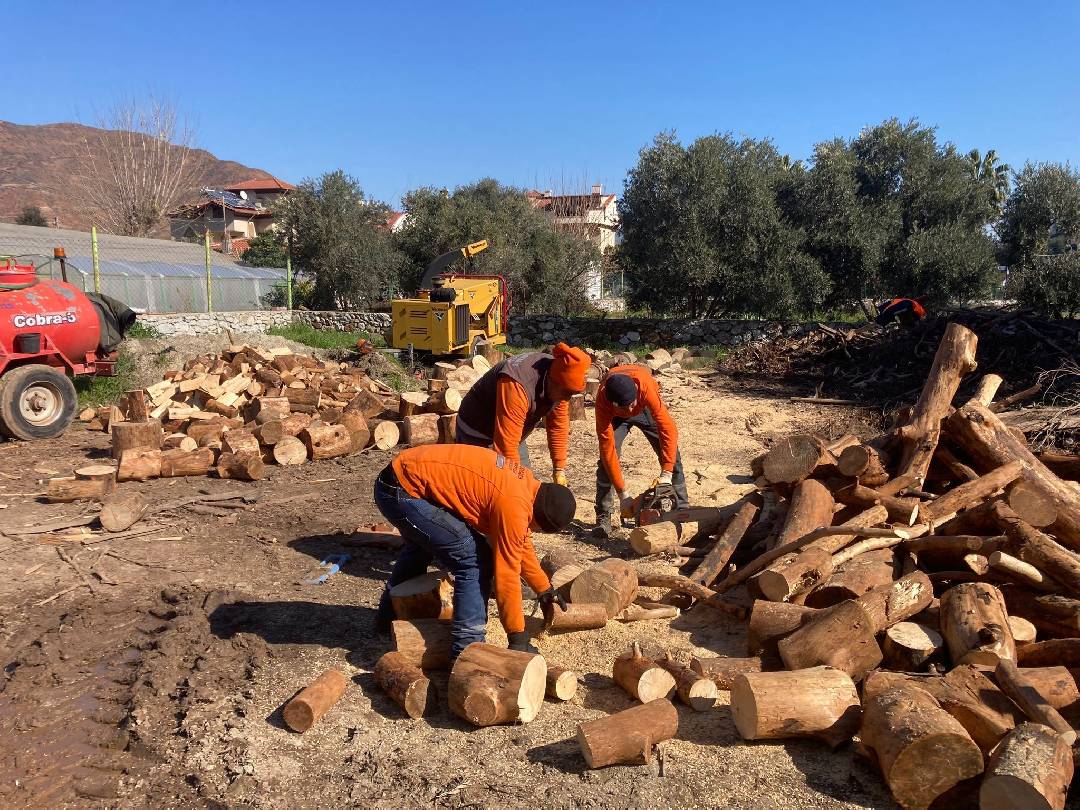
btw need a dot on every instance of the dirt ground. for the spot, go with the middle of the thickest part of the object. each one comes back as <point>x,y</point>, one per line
<point>151,670</point>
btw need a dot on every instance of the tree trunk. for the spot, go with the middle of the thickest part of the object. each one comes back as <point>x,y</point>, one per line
<point>290,452</point>
<point>969,494</point>
<point>425,643</point>
<point>326,441</point>
<point>405,684</point>
<point>795,458</point>
<point>627,737</point>
<point>990,443</point>
<point>122,510</point>
<point>179,441</point>
<point>910,647</point>
<point>1039,550</point>
<point>772,621</point>
<point>491,686</point>
<point>1031,770</point>
<point>304,710</point>
<point>385,434</point>
<point>902,510</point>
<point>423,428</point>
<point>854,578</point>
<point>139,464</point>
<point>975,624</point>
<point>864,463</point>
<point>576,617</point>
<point>69,489</point>
<point>641,677</point>
<point>428,596</point>
<point>613,583</point>
<point>561,683</point>
<point>811,507</point>
<point>955,358</point>
<point>718,556</point>
<point>241,466</point>
<point>1031,504</point>
<point>140,435</point>
<point>239,440</point>
<point>819,702</point>
<point>840,637</point>
<point>694,690</point>
<point>921,749</point>
<point>723,671</point>
<point>1026,695</point>
<point>888,604</point>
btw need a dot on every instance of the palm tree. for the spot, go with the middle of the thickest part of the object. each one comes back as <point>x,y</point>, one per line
<point>985,168</point>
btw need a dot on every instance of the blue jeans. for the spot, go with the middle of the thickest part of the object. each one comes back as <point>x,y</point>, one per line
<point>464,435</point>
<point>431,533</point>
<point>605,492</point>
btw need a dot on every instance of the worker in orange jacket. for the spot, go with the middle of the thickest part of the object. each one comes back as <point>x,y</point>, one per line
<point>470,510</point>
<point>504,405</point>
<point>629,397</point>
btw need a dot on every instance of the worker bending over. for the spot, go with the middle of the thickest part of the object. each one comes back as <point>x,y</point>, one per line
<point>469,510</point>
<point>504,405</point>
<point>629,397</point>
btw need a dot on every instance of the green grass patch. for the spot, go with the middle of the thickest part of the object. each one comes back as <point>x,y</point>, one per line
<point>323,338</point>
<point>97,391</point>
<point>141,330</point>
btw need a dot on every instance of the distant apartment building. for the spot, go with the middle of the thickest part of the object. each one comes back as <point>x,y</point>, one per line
<point>231,215</point>
<point>595,216</point>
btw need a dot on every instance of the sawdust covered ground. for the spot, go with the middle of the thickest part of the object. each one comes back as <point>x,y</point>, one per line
<point>163,686</point>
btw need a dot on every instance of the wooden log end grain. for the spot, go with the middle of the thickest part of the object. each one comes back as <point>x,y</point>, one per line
<point>405,683</point>
<point>562,683</point>
<point>1032,768</point>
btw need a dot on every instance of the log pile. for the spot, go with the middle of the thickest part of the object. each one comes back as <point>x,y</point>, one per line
<point>236,412</point>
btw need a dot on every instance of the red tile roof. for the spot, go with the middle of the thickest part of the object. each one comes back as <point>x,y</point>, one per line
<point>261,184</point>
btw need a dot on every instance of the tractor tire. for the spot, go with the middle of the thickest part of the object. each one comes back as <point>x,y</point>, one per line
<point>36,402</point>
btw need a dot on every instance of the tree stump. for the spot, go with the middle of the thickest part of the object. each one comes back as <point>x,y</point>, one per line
<point>1032,768</point>
<point>492,686</point>
<point>428,596</point>
<point>576,408</point>
<point>426,643</point>
<point>641,677</point>
<point>612,583</point>
<point>910,647</point>
<point>405,684</point>
<point>304,710</point>
<point>628,737</point>
<point>818,702</point>
<point>142,435</point>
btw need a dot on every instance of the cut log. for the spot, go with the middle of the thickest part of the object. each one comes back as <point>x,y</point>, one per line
<point>946,551</point>
<point>910,647</point>
<point>448,429</point>
<point>96,472</point>
<point>1064,465</point>
<point>304,710</point>
<point>207,433</point>
<point>723,671</point>
<point>294,424</point>
<point>355,423</point>
<point>303,400</point>
<point>728,541</point>
<point>441,369</point>
<point>811,566</point>
<point>975,624</point>
<point>840,637</point>
<point>955,358</point>
<point>1052,652</point>
<point>239,440</point>
<point>141,435</point>
<point>1023,631</point>
<point>492,686</point>
<point>139,464</point>
<point>864,463</point>
<point>628,737</point>
<point>854,578</point>
<point>901,510</point>
<point>444,402</point>
<point>179,441</point>
<point>921,749</point>
<point>428,596</point>
<point>422,428</point>
<point>325,441</point>
<point>1024,694</point>
<point>268,433</point>
<point>969,494</point>
<point>290,451</point>
<point>1031,770</point>
<point>122,510</point>
<point>1054,615</point>
<point>425,643</point>
<point>385,435</point>
<point>795,458</point>
<point>367,403</point>
<point>661,536</point>
<point>577,616</point>
<point>772,621</point>
<point>176,463</point>
<point>1039,550</point>
<point>435,386</point>
<point>987,389</point>
<point>613,583</point>
<point>989,442</point>
<point>576,408</point>
<point>1031,504</point>
<point>641,677</point>
<point>693,589</point>
<point>562,567</point>
<point>410,402</point>
<point>561,683</point>
<point>819,702</point>
<point>811,508</point>
<point>241,466</point>
<point>70,489</point>
<point>888,604</point>
<point>693,689</point>
<point>404,682</point>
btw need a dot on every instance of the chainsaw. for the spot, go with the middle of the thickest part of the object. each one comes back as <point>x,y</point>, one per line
<point>657,500</point>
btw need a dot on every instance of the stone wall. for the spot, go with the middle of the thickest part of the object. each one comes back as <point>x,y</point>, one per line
<point>210,323</point>
<point>631,332</point>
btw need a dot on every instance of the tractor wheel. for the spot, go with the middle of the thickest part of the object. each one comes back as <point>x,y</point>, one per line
<point>36,402</point>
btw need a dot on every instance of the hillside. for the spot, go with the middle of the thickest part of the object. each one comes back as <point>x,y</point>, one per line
<point>40,165</point>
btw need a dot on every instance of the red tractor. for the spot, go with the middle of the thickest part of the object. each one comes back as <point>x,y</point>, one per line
<point>50,331</point>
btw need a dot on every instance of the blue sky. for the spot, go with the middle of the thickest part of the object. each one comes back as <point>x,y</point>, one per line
<point>553,95</point>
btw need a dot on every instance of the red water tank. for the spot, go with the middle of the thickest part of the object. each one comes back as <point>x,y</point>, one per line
<point>43,318</point>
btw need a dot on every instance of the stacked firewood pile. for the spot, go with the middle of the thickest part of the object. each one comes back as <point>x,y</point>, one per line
<point>920,591</point>
<point>236,412</point>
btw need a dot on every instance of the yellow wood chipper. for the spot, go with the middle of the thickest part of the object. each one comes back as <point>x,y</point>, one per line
<point>452,312</point>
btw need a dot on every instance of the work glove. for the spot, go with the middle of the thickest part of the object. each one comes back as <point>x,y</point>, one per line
<point>520,642</point>
<point>626,505</point>
<point>664,479</point>
<point>550,597</point>
<point>560,478</point>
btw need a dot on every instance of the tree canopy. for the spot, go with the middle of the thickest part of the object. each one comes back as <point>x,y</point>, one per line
<point>31,215</point>
<point>265,250</point>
